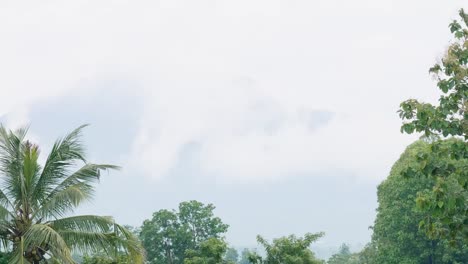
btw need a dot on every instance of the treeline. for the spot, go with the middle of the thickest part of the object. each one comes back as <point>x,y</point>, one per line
<point>192,234</point>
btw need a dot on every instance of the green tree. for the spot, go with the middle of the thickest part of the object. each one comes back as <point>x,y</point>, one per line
<point>287,250</point>
<point>445,201</point>
<point>368,255</point>
<point>244,258</point>
<point>199,222</point>
<point>343,256</point>
<point>397,237</point>
<point>170,234</point>
<point>34,200</point>
<point>161,236</point>
<point>210,251</point>
<point>231,255</point>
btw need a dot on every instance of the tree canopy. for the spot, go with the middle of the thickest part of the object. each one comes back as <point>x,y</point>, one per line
<point>170,234</point>
<point>287,250</point>
<point>344,256</point>
<point>232,255</point>
<point>445,201</point>
<point>244,257</point>
<point>210,251</point>
<point>397,235</point>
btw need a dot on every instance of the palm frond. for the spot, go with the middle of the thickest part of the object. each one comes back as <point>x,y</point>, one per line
<point>11,160</point>
<point>70,188</point>
<point>5,227</point>
<point>5,214</point>
<point>84,223</point>
<point>116,242</point>
<point>42,235</point>
<point>119,241</point>
<point>130,243</point>
<point>65,154</point>
<point>5,201</point>
<point>89,174</point>
<point>30,175</point>
<point>89,242</point>
<point>64,201</point>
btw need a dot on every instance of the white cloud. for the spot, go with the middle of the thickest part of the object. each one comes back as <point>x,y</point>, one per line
<point>236,76</point>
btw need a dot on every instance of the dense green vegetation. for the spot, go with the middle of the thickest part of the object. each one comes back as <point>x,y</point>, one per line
<point>244,257</point>
<point>344,256</point>
<point>105,259</point>
<point>287,250</point>
<point>231,256</point>
<point>446,202</point>
<point>397,229</point>
<point>210,251</point>
<point>170,235</point>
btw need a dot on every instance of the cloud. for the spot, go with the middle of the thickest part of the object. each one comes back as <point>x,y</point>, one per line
<point>265,88</point>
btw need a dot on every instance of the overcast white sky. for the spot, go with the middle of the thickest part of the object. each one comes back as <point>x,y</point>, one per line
<point>282,113</point>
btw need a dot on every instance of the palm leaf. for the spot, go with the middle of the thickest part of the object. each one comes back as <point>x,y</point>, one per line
<point>127,241</point>
<point>11,163</point>
<point>43,235</point>
<point>64,201</point>
<point>89,242</point>
<point>84,223</point>
<point>64,155</point>
<point>5,201</point>
<point>73,190</point>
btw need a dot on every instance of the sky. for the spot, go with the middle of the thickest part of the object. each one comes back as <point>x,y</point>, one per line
<point>281,113</point>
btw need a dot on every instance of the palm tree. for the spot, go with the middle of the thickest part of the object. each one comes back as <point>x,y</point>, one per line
<point>36,202</point>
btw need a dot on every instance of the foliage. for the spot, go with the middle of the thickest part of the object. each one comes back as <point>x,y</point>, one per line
<point>344,256</point>
<point>446,201</point>
<point>397,237</point>
<point>244,258</point>
<point>198,219</point>
<point>103,259</point>
<point>169,234</point>
<point>4,257</point>
<point>231,255</point>
<point>35,199</point>
<point>287,250</point>
<point>368,255</point>
<point>161,236</point>
<point>210,251</point>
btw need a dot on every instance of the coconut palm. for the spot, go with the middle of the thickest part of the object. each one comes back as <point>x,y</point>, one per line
<point>36,203</point>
